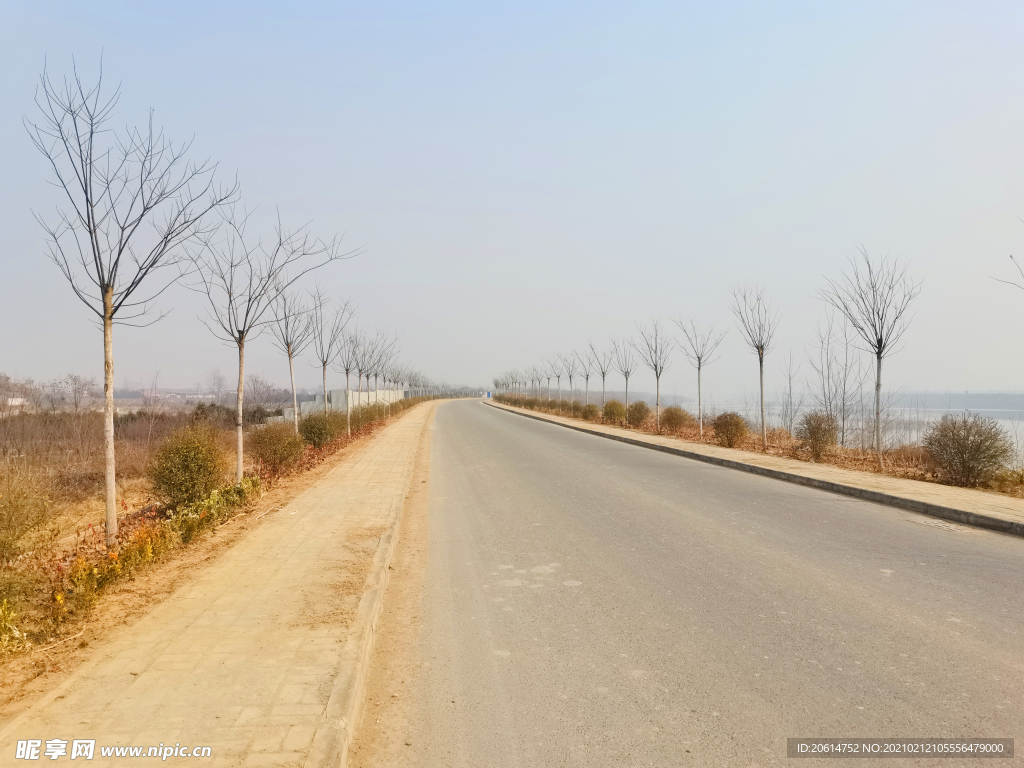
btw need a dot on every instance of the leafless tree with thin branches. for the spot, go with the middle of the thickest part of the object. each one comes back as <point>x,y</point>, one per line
<point>556,370</point>
<point>346,362</point>
<point>758,323</point>
<point>655,350</point>
<point>215,383</point>
<point>328,333</point>
<point>789,410</point>
<point>571,369</point>
<point>624,361</point>
<point>602,363</point>
<point>699,346</point>
<point>134,201</point>
<point>242,277</point>
<point>586,364</point>
<point>875,298</point>
<point>292,331</point>
<point>838,373</point>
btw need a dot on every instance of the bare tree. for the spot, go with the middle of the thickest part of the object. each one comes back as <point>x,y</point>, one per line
<point>262,396</point>
<point>348,352</point>
<point>571,369</point>
<point>758,323</point>
<point>242,278</point>
<point>215,383</point>
<point>134,200</point>
<point>699,346</point>
<point>383,349</point>
<point>328,333</point>
<point>838,374</point>
<point>586,369</point>
<point>624,361</point>
<point>292,331</point>
<point>875,298</point>
<point>791,405</point>
<point>73,390</point>
<point>555,367</point>
<point>603,363</point>
<point>655,350</point>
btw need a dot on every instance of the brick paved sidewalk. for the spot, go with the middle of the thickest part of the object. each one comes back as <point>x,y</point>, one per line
<point>242,659</point>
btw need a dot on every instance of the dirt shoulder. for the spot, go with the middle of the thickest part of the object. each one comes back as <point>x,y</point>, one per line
<point>246,655</point>
<point>28,676</point>
<point>388,731</point>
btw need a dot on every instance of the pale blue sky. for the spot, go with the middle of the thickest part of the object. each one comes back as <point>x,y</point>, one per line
<point>525,176</point>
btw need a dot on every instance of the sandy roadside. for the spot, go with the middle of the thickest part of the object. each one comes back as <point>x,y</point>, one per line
<point>271,595</point>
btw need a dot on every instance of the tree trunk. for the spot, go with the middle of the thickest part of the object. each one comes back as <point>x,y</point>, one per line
<point>110,474</point>
<point>602,393</point>
<point>764,427</point>
<point>326,404</point>
<point>627,400</point>
<point>700,405</point>
<point>657,403</point>
<point>587,394</point>
<point>238,411</point>
<point>348,408</point>
<point>878,410</point>
<point>295,397</point>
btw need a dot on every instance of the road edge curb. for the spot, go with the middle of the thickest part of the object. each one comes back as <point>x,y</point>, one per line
<point>333,737</point>
<point>913,505</point>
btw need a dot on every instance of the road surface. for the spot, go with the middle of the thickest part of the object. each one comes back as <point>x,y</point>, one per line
<point>589,603</point>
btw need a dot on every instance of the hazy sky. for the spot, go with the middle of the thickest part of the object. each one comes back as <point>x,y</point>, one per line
<point>525,176</point>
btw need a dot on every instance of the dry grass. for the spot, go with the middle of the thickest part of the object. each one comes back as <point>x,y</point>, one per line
<point>51,528</point>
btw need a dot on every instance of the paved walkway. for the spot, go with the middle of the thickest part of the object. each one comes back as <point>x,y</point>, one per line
<point>978,502</point>
<point>242,659</point>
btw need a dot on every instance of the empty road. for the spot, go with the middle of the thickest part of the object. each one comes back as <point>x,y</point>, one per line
<point>589,603</point>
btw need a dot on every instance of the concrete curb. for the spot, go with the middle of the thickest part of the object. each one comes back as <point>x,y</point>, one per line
<point>341,717</point>
<point>925,508</point>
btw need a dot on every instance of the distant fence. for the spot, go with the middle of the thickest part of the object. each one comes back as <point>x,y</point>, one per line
<point>336,399</point>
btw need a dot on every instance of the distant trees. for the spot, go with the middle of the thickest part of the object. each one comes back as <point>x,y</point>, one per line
<point>875,298</point>
<point>655,349</point>
<point>292,330</point>
<point>699,346</point>
<point>570,367</point>
<point>758,323</point>
<point>346,359</point>
<point>134,201</point>
<point>603,363</point>
<point>624,361</point>
<point>586,365</point>
<point>328,334</point>
<point>242,277</point>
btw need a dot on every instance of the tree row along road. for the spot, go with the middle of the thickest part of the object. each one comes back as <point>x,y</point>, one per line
<point>589,603</point>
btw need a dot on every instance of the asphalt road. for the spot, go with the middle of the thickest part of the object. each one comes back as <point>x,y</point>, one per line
<point>589,603</point>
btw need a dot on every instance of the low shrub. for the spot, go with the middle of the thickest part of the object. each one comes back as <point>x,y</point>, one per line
<point>675,418</point>
<point>23,506</point>
<point>730,429</point>
<point>637,413</point>
<point>276,446</point>
<point>188,466</point>
<point>614,412</point>
<point>553,404</point>
<point>190,520</point>
<point>317,429</point>
<point>591,412</point>
<point>818,432</point>
<point>531,403</point>
<point>968,449</point>
<point>576,409</point>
